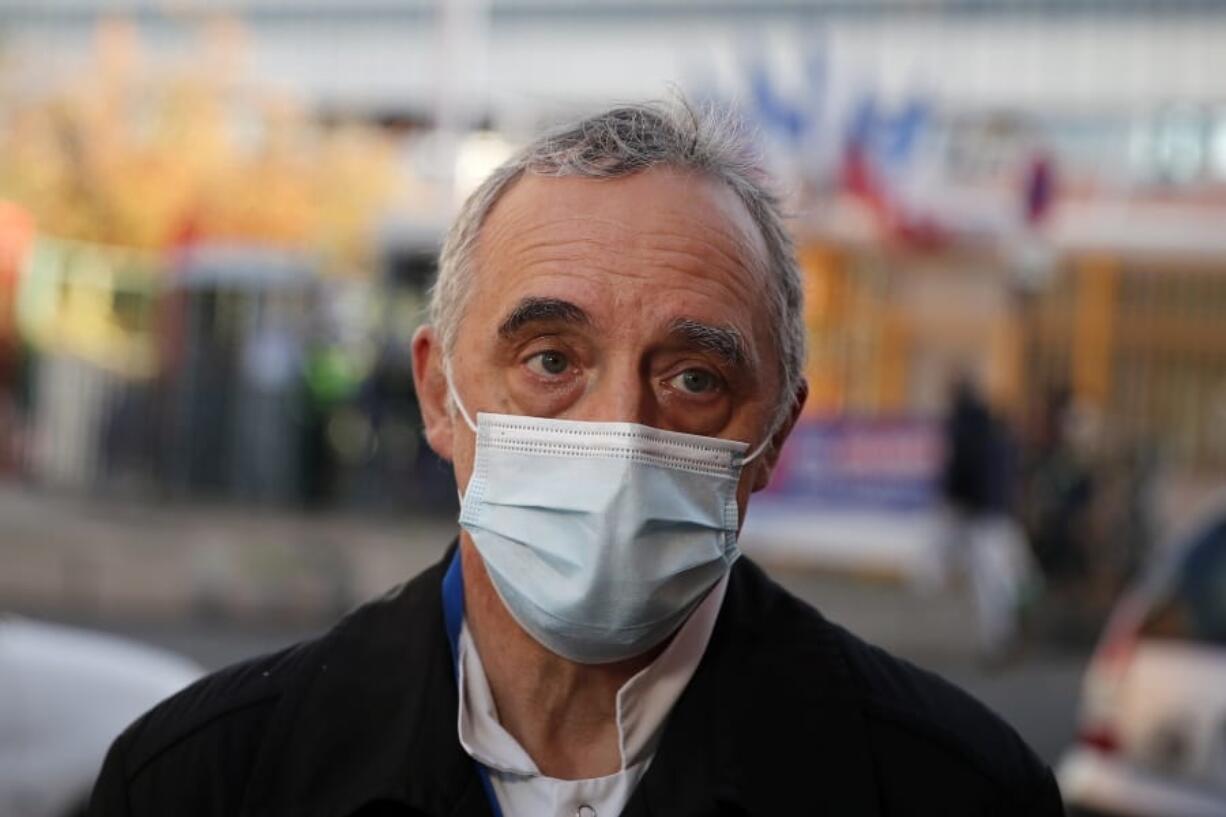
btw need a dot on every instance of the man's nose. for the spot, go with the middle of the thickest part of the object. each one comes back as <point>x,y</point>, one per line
<point>621,393</point>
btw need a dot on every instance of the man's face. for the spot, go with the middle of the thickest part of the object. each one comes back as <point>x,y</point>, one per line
<point>639,299</point>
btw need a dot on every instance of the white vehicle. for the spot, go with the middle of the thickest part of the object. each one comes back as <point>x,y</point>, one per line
<point>65,694</point>
<point>1153,719</point>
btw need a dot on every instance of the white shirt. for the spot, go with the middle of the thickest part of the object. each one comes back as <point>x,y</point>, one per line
<point>643,703</point>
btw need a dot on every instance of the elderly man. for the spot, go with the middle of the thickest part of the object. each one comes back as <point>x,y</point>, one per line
<point>613,362</point>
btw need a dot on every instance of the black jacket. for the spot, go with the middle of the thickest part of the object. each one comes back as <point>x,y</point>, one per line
<point>787,714</point>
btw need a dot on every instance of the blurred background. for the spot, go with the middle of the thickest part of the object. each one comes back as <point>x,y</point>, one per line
<point>218,223</point>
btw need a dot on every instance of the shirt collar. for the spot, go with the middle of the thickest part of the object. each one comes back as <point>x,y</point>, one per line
<point>643,702</point>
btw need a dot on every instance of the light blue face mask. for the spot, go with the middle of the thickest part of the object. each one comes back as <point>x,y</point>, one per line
<point>600,538</point>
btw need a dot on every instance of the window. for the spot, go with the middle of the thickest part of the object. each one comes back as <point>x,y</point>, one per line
<point>1194,608</point>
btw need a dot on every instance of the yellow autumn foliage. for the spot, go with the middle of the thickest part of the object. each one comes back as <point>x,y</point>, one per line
<point>144,155</point>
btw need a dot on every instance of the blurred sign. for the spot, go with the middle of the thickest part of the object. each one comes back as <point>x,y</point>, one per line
<point>859,463</point>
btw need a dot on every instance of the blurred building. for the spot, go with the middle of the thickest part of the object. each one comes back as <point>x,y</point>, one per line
<point>1027,192</point>
<point>512,56</point>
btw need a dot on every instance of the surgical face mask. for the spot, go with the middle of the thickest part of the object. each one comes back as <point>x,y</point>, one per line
<point>600,538</point>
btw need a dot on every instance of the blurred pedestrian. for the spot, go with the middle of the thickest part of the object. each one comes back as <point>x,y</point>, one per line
<point>614,360</point>
<point>981,535</point>
<point>1059,494</point>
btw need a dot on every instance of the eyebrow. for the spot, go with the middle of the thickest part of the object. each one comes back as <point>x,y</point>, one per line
<point>542,310</point>
<point>724,342</point>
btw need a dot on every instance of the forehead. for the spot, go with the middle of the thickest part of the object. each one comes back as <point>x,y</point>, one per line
<point>663,238</point>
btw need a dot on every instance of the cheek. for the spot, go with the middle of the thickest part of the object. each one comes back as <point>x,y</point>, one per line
<point>463,451</point>
<point>743,490</point>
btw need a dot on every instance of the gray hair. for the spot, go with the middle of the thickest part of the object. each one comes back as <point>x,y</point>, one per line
<point>620,142</point>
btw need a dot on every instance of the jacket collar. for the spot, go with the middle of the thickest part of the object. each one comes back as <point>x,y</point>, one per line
<point>753,733</point>
<point>373,718</point>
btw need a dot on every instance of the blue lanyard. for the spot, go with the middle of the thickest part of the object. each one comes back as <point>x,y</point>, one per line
<point>453,620</point>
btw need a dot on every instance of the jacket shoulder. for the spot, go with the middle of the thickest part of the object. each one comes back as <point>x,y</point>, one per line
<point>200,751</point>
<point>922,730</point>
<point>199,745</point>
<point>209,705</point>
<point>922,724</point>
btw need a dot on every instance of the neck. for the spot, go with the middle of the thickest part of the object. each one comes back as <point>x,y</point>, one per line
<point>563,713</point>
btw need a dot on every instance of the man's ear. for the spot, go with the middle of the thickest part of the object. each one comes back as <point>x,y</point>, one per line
<point>770,457</point>
<point>432,393</point>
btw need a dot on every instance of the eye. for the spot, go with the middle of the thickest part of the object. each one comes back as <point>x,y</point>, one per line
<point>695,381</point>
<point>548,363</point>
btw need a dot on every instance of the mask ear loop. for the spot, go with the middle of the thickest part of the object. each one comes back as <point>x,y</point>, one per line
<point>756,452</point>
<point>455,398</point>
